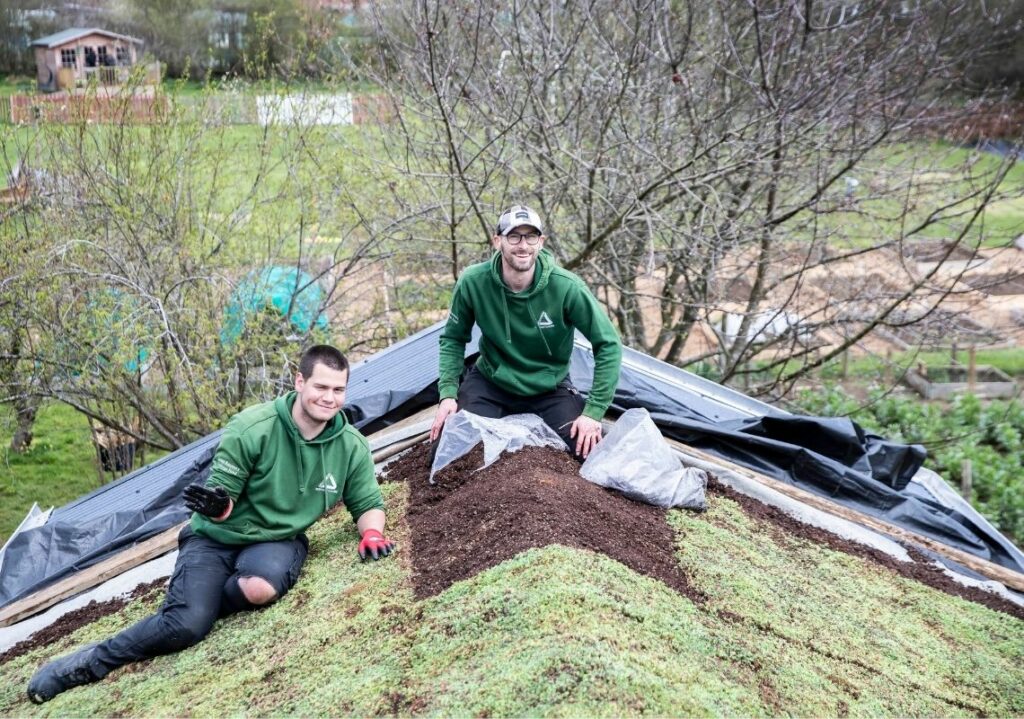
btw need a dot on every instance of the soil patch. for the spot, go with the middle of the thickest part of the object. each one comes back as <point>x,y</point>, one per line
<point>470,521</point>
<point>473,520</point>
<point>921,569</point>
<point>78,618</point>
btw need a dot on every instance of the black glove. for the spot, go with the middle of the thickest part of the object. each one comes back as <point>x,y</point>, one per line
<point>211,502</point>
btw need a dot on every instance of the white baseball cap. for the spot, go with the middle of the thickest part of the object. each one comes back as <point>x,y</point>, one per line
<point>518,215</point>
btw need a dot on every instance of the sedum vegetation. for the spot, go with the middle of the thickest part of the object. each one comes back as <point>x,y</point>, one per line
<point>788,627</point>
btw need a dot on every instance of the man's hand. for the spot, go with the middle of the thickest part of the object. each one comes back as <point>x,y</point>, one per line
<point>375,545</point>
<point>587,433</point>
<point>213,503</point>
<point>446,409</point>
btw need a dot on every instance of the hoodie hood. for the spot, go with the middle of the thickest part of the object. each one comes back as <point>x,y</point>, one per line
<point>541,274</point>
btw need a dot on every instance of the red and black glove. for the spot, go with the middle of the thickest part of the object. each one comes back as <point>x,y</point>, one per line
<point>375,544</point>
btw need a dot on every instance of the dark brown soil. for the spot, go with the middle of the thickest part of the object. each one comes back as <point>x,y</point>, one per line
<point>77,618</point>
<point>470,521</point>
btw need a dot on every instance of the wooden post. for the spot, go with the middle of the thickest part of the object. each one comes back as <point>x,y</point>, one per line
<point>846,363</point>
<point>972,369</point>
<point>966,478</point>
<point>952,354</point>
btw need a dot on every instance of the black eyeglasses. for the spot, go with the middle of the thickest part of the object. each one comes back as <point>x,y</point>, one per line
<point>531,238</point>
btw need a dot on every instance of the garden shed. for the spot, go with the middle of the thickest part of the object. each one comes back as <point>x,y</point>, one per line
<point>76,55</point>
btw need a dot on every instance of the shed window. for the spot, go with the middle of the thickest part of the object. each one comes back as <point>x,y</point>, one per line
<point>68,57</point>
<point>122,55</point>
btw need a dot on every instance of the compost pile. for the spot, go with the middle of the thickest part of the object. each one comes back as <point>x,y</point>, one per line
<point>471,520</point>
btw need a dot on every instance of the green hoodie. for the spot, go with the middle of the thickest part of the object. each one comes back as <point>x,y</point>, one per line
<point>527,336</point>
<point>280,482</point>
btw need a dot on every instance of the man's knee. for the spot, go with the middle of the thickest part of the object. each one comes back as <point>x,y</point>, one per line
<point>257,590</point>
<point>182,632</point>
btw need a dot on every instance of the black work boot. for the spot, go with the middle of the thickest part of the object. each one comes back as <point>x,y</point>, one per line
<point>62,674</point>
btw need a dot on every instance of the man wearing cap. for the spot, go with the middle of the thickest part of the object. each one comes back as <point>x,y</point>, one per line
<point>527,309</point>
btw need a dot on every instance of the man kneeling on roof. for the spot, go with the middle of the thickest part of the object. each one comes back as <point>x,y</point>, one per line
<point>279,467</point>
<point>527,309</point>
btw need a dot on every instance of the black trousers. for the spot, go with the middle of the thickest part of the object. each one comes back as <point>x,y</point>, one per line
<point>559,408</point>
<point>204,586</point>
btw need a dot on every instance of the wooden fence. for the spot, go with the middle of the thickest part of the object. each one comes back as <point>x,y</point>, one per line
<point>219,109</point>
<point>61,107</point>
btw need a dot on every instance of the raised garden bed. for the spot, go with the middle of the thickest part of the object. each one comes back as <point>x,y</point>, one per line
<point>947,382</point>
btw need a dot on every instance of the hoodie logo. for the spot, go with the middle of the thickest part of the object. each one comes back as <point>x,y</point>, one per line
<point>220,463</point>
<point>328,485</point>
<point>544,321</point>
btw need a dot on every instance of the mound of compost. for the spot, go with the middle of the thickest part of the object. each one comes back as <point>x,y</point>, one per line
<point>472,520</point>
<point>469,521</point>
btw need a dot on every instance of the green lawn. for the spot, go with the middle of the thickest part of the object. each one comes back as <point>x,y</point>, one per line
<point>59,466</point>
<point>929,175</point>
<point>1010,360</point>
<point>17,85</point>
<point>789,628</point>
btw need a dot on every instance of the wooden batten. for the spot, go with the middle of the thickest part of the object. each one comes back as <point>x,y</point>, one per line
<point>91,576</point>
<point>991,570</point>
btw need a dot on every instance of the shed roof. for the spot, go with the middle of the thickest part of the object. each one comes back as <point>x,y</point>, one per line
<point>74,33</point>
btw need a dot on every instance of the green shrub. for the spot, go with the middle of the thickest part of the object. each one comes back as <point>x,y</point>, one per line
<point>989,434</point>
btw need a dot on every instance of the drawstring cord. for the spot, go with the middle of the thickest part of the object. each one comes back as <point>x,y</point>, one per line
<point>533,316</point>
<point>508,325</point>
<point>323,471</point>
<point>302,471</point>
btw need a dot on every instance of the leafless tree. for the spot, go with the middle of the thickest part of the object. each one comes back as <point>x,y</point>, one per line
<point>139,263</point>
<point>713,166</point>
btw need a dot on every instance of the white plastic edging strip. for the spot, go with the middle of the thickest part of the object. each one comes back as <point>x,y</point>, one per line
<point>117,586</point>
<point>798,510</point>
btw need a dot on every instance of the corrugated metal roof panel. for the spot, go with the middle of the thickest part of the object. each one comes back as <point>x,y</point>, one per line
<point>136,490</point>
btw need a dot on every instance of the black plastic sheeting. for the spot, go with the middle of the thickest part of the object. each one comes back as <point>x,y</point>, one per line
<point>828,456</point>
<point>831,457</point>
<point>41,556</point>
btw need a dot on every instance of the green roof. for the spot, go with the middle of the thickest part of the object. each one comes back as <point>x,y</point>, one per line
<point>788,626</point>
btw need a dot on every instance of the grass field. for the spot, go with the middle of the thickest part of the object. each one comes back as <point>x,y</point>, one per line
<point>59,466</point>
<point>1010,360</point>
